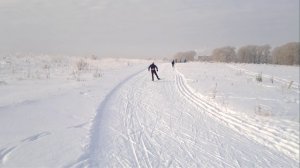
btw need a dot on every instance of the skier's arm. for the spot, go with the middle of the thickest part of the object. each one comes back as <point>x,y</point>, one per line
<point>156,68</point>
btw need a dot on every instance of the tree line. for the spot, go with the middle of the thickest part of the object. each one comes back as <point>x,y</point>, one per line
<point>287,54</point>
<point>185,56</point>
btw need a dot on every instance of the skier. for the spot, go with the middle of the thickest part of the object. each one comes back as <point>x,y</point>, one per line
<point>153,68</point>
<point>173,63</point>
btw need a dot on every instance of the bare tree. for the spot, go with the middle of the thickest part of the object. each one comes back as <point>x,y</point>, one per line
<point>287,54</point>
<point>263,54</point>
<point>185,56</point>
<point>247,54</point>
<point>254,54</point>
<point>224,54</point>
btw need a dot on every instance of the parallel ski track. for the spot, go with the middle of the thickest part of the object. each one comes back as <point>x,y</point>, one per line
<point>267,135</point>
<point>146,136</point>
<point>144,140</point>
<point>295,85</point>
<point>182,140</point>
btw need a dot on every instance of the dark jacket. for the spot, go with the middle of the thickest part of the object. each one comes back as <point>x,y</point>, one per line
<point>153,67</point>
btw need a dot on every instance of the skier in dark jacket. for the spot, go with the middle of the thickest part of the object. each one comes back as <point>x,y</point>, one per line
<point>153,68</point>
<point>173,63</point>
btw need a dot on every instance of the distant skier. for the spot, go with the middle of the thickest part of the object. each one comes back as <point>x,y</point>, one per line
<point>173,63</point>
<point>153,68</point>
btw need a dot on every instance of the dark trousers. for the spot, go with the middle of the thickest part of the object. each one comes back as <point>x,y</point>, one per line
<point>154,72</point>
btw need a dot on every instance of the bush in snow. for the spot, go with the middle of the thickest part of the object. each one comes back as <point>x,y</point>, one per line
<point>97,73</point>
<point>82,65</point>
<point>93,57</point>
<point>47,69</point>
<point>290,84</point>
<point>76,75</point>
<point>272,79</point>
<point>259,77</point>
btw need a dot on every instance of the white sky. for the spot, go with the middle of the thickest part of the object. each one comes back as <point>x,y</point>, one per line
<point>143,27</point>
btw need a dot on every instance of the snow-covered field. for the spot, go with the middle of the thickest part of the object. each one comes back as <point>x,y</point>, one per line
<point>58,111</point>
<point>234,86</point>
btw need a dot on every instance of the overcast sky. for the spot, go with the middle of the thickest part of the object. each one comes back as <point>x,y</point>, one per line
<point>143,27</point>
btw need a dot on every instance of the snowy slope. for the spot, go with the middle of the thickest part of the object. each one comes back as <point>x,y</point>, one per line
<point>123,119</point>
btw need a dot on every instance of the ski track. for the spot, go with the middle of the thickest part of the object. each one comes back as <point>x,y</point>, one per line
<point>283,140</point>
<point>8,150</point>
<point>166,124</point>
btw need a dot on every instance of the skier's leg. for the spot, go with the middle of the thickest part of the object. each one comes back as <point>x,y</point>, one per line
<point>152,75</point>
<point>156,75</point>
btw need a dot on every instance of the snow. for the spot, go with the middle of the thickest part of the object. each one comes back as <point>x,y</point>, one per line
<point>236,88</point>
<point>110,114</point>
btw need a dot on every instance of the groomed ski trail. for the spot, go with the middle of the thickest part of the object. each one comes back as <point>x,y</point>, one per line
<point>165,124</point>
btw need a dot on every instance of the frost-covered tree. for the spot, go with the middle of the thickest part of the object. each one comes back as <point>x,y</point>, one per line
<point>224,54</point>
<point>187,55</point>
<point>287,54</point>
<point>263,54</point>
<point>247,54</point>
<point>254,54</point>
